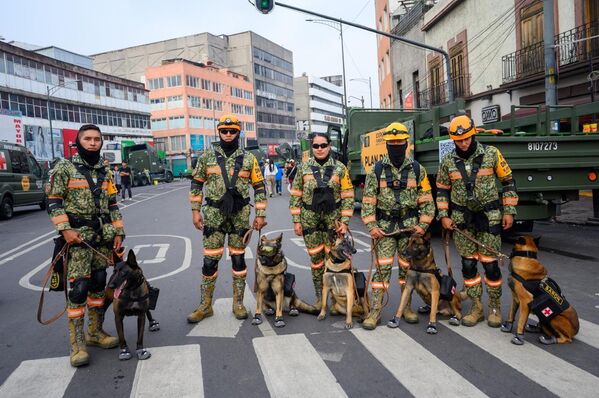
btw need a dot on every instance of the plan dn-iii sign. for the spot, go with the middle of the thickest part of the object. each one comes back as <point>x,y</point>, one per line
<point>491,114</point>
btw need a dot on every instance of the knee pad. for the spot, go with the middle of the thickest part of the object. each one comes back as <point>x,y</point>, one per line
<point>238,262</point>
<point>469,267</point>
<point>492,271</point>
<point>97,282</point>
<point>78,291</point>
<point>210,267</point>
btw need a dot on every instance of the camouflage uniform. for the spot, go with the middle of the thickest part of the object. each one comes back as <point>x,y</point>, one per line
<point>484,205</point>
<point>381,210</point>
<point>316,226</point>
<point>216,224</point>
<point>71,206</point>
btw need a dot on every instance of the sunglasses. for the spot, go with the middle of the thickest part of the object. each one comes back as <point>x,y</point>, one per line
<point>319,146</point>
<point>230,132</point>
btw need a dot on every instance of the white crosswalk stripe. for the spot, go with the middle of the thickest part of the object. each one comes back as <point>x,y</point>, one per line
<point>221,324</point>
<point>553,373</point>
<point>163,376</point>
<point>408,361</point>
<point>293,358</point>
<point>30,378</point>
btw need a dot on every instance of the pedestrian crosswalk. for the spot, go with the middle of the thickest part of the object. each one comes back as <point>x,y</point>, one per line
<point>290,365</point>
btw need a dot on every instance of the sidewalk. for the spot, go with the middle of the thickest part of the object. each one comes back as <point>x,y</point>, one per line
<point>577,212</point>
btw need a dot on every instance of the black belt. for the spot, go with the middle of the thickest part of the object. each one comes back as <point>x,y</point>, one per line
<point>395,215</point>
<point>479,218</point>
<point>95,223</point>
<point>493,205</point>
<point>309,206</point>
<point>215,203</point>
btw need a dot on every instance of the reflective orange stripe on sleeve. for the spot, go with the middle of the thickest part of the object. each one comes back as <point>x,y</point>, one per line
<point>485,172</point>
<point>118,224</point>
<point>77,184</point>
<point>55,197</point>
<point>385,260</point>
<point>425,198</point>
<point>297,192</point>
<point>473,281</point>
<point>443,186</point>
<point>347,194</point>
<point>240,273</point>
<point>510,201</point>
<point>492,283</point>
<point>95,302</point>
<point>368,219</point>
<point>412,183</point>
<point>425,219</point>
<point>369,200</point>
<point>402,262</point>
<point>260,205</point>
<point>317,265</point>
<point>197,198</point>
<point>60,219</point>
<point>244,174</point>
<point>75,312</point>
<point>486,259</point>
<point>316,250</point>
<point>443,205</point>
<point>213,170</point>
<point>198,179</point>
<point>380,285</point>
<point>295,210</point>
<point>455,175</point>
<point>347,213</point>
<point>233,251</point>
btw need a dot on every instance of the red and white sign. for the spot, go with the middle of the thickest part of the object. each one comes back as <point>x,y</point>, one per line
<point>547,312</point>
<point>272,150</point>
<point>408,102</point>
<point>11,128</point>
<point>3,165</point>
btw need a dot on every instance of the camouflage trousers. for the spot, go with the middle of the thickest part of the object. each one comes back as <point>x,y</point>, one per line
<point>386,249</point>
<point>316,231</point>
<point>83,261</point>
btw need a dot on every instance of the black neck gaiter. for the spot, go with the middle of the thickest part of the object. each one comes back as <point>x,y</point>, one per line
<point>90,157</point>
<point>322,161</point>
<point>468,152</point>
<point>229,147</point>
<point>397,154</point>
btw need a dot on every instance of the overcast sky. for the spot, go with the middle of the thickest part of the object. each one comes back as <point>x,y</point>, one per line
<point>89,27</point>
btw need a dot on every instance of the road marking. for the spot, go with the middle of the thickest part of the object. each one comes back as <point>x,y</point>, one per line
<point>412,364</point>
<point>173,371</point>
<point>222,324</point>
<point>5,260</point>
<point>292,368</point>
<point>250,301</point>
<point>25,280</point>
<point>556,375</point>
<point>50,376</point>
<point>160,256</point>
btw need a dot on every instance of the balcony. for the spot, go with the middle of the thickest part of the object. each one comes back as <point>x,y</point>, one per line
<point>437,95</point>
<point>572,47</point>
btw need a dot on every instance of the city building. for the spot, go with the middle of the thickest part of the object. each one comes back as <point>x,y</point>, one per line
<point>383,44</point>
<point>267,65</point>
<point>496,54</point>
<point>187,99</point>
<point>77,96</point>
<point>337,80</point>
<point>318,104</point>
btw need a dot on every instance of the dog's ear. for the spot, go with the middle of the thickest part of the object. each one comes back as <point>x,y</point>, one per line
<point>537,239</point>
<point>521,240</point>
<point>132,259</point>
<point>280,238</point>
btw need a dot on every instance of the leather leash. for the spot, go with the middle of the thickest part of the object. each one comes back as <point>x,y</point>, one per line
<point>466,235</point>
<point>446,235</point>
<point>64,254</point>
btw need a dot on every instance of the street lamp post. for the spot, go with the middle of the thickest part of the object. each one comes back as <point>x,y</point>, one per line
<point>359,99</point>
<point>339,27</point>
<point>49,91</point>
<point>369,81</point>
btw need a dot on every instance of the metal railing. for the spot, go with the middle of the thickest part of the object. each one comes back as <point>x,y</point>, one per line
<point>575,45</point>
<point>437,95</point>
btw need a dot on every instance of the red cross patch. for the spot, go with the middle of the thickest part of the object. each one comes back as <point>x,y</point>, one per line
<point>547,311</point>
<point>2,161</point>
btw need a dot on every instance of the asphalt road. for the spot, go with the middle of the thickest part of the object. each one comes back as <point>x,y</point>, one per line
<point>223,357</point>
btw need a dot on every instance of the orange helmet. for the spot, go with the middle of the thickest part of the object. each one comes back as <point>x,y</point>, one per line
<point>228,122</point>
<point>461,127</point>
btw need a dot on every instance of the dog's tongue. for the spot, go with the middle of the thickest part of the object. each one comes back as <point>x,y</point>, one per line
<point>117,291</point>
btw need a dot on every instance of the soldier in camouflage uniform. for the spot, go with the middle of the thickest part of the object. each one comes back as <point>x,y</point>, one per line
<point>227,212</point>
<point>397,195</point>
<point>466,185</point>
<point>322,202</point>
<point>80,215</point>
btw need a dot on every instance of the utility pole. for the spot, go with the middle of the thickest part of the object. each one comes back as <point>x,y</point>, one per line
<point>550,63</point>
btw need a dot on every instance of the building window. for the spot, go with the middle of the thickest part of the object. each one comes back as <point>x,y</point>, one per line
<point>173,81</point>
<point>153,84</point>
<point>157,104</point>
<point>194,102</point>
<point>193,81</point>
<point>175,102</point>
<point>206,84</point>
<point>217,87</point>
<point>218,105</point>
<point>436,88</point>
<point>237,109</point>
<point>247,95</point>
<point>176,122</point>
<point>387,63</point>
<point>195,122</point>
<point>178,143</point>
<point>531,24</point>
<point>400,93</point>
<point>206,103</point>
<point>249,110</point>
<point>416,86</point>
<point>236,92</point>
<point>159,124</point>
<point>272,59</point>
<point>458,70</point>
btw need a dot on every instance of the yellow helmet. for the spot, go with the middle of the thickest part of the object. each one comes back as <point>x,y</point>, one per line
<point>461,127</point>
<point>228,122</point>
<point>395,131</point>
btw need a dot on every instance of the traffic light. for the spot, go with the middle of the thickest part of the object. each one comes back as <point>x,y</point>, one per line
<point>265,6</point>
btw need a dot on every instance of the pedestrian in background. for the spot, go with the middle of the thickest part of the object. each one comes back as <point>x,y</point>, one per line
<point>270,172</point>
<point>125,173</point>
<point>117,179</point>
<point>279,180</point>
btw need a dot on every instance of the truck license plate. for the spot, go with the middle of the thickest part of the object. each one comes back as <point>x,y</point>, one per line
<point>542,146</point>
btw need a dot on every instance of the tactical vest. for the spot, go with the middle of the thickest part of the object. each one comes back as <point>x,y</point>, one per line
<point>323,198</point>
<point>395,215</point>
<point>99,218</point>
<point>232,201</point>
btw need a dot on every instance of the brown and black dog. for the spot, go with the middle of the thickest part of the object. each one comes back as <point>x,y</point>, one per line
<point>422,276</point>
<point>527,271</point>
<point>129,293</point>
<point>271,278</point>
<point>338,280</point>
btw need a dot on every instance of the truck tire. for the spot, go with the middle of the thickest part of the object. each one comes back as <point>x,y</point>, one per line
<point>6,209</point>
<point>144,181</point>
<point>169,176</point>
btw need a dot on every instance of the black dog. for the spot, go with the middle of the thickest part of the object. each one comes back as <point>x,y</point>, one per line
<point>129,293</point>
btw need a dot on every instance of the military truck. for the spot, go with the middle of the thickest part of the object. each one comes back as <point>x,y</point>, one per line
<point>146,166</point>
<point>549,167</point>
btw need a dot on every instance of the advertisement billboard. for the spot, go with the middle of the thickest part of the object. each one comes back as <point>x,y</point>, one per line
<point>39,142</point>
<point>11,127</point>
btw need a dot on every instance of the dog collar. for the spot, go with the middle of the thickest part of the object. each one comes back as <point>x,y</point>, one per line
<point>523,253</point>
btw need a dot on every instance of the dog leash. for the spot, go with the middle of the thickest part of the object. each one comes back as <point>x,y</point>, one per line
<point>466,235</point>
<point>64,254</point>
<point>446,235</point>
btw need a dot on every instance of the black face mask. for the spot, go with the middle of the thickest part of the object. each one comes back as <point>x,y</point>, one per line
<point>90,157</point>
<point>229,147</point>
<point>397,154</point>
<point>468,152</point>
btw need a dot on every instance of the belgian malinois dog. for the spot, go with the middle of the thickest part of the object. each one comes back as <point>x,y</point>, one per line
<point>423,276</point>
<point>338,279</point>
<point>525,267</point>
<point>129,293</point>
<point>271,268</point>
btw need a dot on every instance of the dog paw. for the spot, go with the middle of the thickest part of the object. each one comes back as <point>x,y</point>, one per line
<point>454,321</point>
<point>532,328</point>
<point>518,339</point>
<point>269,312</point>
<point>321,316</point>
<point>154,326</point>
<point>393,323</point>
<point>257,320</point>
<point>142,354</point>
<point>431,328</point>
<point>349,325</point>
<point>293,312</point>
<point>547,340</point>
<point>506,327</point>
<point>125,354</point>
<point>279,322</point>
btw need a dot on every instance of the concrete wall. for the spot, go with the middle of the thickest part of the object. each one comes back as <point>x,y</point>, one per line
<point>405,60</point>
